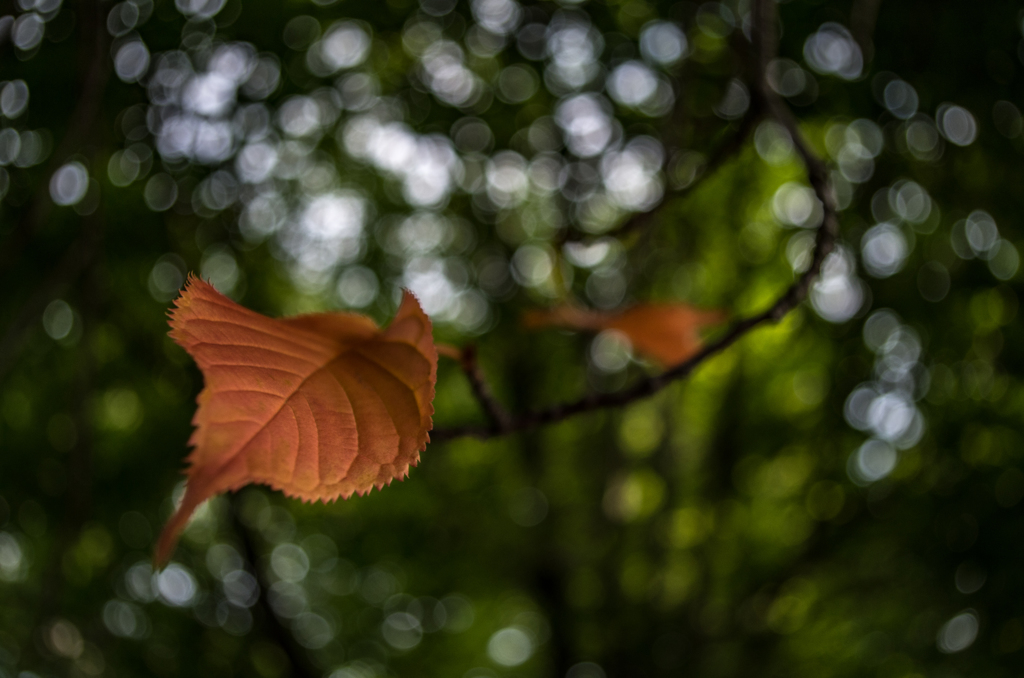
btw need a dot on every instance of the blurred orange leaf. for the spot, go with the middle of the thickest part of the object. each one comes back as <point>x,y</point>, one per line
<point>449,351</point>
<point>666,333</point>
<point>319,406</point>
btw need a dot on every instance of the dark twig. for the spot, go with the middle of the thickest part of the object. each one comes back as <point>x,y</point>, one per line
<point>764,50</point>
<point>719,157</point>
<point>300,665</point>
<point>500,419</point>
<point>95,62</point>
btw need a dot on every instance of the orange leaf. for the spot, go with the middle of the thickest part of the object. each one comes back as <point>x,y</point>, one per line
<point>667,333</point>
<point>449,351</point>
<point>319,406</point>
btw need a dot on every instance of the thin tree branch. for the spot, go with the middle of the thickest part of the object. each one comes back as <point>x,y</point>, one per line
<point>500,419</point>
<point>282,635</point>
<point>765,21</point>
<point>719,157</point>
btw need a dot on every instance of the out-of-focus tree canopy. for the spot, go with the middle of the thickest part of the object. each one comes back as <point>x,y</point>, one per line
<point>836,494</point>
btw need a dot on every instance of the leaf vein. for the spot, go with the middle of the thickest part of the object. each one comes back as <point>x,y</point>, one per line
<point>261,348</point>
<point>253,328</point>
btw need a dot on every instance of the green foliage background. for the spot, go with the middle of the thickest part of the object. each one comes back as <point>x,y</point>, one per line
<point>719,528</point>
